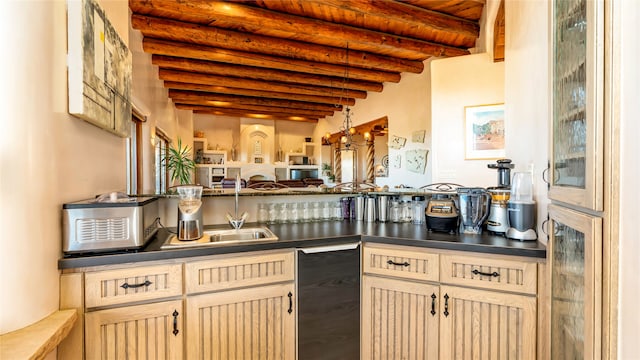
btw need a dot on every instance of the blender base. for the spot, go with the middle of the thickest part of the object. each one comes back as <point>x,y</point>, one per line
<point>529,234</point>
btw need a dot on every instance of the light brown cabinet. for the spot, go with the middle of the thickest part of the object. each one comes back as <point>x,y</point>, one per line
<point>253,323</point>
<point>149,331</point>
<point>476,308</point>
<point>235,306</point>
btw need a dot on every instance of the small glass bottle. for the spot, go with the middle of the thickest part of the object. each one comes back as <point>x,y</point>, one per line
<point>418,209</point>
<point>395,213</point>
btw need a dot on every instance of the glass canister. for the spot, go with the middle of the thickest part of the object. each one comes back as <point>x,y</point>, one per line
<point>418,207</point>
<point>395,213</point>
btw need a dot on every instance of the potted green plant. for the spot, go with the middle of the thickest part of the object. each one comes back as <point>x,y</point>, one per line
<point>179,162</point>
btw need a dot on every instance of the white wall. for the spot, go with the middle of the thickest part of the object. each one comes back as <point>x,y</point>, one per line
<point>456,83</point>
<point>407,105</point>
<point>626,35</point>
<point>527,92</point>
<point>49,157</point>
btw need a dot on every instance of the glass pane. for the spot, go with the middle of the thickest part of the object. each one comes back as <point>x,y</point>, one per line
<point>567,294</point>
<point>569,93</point>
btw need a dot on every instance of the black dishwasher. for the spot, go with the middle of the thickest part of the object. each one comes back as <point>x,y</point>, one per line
<point>329,302</point>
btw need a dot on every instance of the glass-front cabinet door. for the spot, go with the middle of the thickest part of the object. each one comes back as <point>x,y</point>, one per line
<point>576,167</point>
<point>574,252</point>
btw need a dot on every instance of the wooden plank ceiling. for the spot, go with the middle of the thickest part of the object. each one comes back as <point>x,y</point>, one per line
<point>295,59</point>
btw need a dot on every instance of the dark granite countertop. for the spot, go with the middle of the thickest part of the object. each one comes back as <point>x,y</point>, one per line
<point>320,234</point>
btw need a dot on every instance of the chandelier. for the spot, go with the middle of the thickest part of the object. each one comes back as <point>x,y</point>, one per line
<point>347,131</point>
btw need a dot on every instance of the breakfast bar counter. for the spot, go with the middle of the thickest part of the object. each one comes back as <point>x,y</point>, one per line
<point>318,234</point>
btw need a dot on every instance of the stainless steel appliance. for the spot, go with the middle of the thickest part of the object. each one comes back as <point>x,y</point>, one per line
<point>504,167</point>
<point>441,214</point>
<point>522,209</point>
<point>107,225</point>
<point>498,220</point>
<point>190,226</point>
<point>473,205</point>
<point>329,302</point>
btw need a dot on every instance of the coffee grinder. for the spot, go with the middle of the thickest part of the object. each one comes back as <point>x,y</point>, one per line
<point>498,220</point>
<point>190,225</point>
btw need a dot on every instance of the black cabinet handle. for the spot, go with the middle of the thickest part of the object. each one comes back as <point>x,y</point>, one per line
<point>433,304</point>
<point>290,295</point>
<point>175,322</point>
<point>126,285</point>
<point>391,262</point>
<point>478,272</point>
<point>446,305</point>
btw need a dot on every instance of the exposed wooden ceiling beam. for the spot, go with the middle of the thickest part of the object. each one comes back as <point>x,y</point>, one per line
<point>320,32</point>
<point>204,79</point>
<point>233,99</point>
<point>258,93</point>
<point>257,109</point>
<point>164,47</point>
<point>253,43</point>
<point>228,74</point>
<point>242,113</point>
<point>418,21</point>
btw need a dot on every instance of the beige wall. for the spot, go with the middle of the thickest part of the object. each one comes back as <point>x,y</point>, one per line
<point>456,83</point>
<point>626,36</point>
<point>407,105</point>
<point>50,157</point>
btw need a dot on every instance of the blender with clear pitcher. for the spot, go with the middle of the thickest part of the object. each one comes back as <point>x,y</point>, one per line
<point>474,208</point>
<point>522,208</point>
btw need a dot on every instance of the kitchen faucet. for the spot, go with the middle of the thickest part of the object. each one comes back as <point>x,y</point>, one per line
<point>235,221</point>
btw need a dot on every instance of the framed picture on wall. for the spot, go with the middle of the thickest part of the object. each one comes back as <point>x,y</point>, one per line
<point>484,132</point>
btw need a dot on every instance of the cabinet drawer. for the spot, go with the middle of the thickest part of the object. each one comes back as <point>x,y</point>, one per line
<point>490,273</point>
<point>224,273</point>
<point>110,287</point>
<point>400,262</point>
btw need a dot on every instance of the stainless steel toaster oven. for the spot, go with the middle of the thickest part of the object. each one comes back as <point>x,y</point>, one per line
<point>93,226</point>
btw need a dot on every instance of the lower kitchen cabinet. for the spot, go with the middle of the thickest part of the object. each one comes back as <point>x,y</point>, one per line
<point>481,324</point>
<point>149,331</point>
<point>252,323</point>
<point>494,315</point>
<point>400,319</point>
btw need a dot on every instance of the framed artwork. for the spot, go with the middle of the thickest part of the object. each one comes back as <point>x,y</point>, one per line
<point>99,69</point>
<point>484,132</point>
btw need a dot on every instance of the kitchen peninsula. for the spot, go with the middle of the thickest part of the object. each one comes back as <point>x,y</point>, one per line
<point>185,296</point>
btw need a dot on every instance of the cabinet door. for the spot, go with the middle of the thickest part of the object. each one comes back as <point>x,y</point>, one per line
<point>151,331</point>
<point>253,323</point>
<point>575,248</point>
<point>399,319</point>
<point>576,169</point>
<point>483,324</point>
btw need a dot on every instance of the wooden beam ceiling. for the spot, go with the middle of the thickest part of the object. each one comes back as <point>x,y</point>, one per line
<point>297,60</point>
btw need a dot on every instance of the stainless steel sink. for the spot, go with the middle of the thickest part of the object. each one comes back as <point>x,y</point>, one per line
<point>224,237</point>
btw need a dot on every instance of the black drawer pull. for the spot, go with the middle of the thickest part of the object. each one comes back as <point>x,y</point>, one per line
<point>126,285</point>
<point>290,295</point>
<point>446,305</point>
<point>433,304</point>
<point>175,322</point>
<point>478,272</point>
<point>391,262</point>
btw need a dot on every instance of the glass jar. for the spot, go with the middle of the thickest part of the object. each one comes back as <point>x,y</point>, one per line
<point>306,212</point>
<point>273,214</point>
<point>406,211</point>
<point>395,212</point>
<point>336,211</point>
<point>418,215</point>
<point>283,213</point>
<point>294,214</point>
<point>263,213</point>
